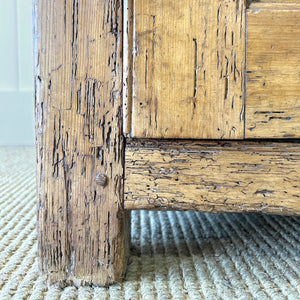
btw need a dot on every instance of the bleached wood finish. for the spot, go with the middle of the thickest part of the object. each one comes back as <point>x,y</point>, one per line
<point>188,69</point>
<point>273,68</point>
<point>82,233</point>
<point>213,176</point>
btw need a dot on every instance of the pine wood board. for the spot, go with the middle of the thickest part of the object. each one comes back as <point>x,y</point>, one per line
<point>273,71</point>
<point>128,13</point>
<point>188,69</point>
<point>213,176</point>
<point>272,4</point>
<point>82,233</point>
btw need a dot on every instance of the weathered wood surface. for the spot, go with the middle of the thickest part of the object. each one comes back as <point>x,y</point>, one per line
<point>213,176</point>
<point>78,84</point>
<point>127,66</point>
<point>188,69</point>
<point>271,3</point>
<point>273,68</point>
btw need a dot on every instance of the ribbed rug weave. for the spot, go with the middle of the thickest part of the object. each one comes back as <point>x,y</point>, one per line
<point>174,255</point>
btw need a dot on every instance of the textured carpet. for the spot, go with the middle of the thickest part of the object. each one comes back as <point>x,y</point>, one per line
<point>174,255</point>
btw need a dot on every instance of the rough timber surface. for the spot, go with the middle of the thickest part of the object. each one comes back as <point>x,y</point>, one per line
<point>78,83</point>
<point>213,176</point>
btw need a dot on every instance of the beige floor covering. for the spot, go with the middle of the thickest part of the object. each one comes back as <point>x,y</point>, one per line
<point>174,255</point>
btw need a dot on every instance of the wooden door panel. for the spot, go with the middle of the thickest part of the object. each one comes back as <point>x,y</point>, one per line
<point>188,69</point>
<point>273,71</point>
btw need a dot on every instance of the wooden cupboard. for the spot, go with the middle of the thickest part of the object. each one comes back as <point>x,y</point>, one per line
<point>168,104</point>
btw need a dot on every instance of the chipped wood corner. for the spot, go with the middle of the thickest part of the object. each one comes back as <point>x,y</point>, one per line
<point>82,226</point>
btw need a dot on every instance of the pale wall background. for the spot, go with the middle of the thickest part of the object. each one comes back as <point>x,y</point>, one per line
<point>16,79</point>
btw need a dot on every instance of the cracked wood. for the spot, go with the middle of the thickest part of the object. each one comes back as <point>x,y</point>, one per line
<point>188,69</point>
<point>127,66</point>
<point>213,176</point>
<point>78,84</point>
<point>273,70</point>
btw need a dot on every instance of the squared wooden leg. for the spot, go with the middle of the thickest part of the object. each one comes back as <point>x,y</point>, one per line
<point>82,234</point>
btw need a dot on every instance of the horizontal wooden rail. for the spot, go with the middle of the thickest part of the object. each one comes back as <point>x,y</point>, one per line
<point>213,176</point>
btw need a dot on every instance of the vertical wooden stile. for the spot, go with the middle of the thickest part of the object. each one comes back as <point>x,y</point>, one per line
<point>80,144</point>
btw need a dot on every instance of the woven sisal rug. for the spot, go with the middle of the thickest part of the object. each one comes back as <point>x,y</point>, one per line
<point>174,255</point>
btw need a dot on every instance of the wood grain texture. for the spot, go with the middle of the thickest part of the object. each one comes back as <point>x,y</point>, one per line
<point>78,84</point>
<point>127,66</point>
<point>213,176</point>
<point>273,70</point>
<point>188,69</point>
<point>271,3</point>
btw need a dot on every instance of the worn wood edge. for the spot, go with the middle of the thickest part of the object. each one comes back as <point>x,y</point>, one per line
<point>128,13</point>
<point>64,276</point>
<point>146,143</point>
<point>141,152</point>
<point>60,279</point>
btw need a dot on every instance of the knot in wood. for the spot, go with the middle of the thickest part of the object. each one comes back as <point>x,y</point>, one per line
<point>101,179</point>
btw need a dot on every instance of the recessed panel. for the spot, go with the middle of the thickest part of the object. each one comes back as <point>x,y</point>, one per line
<point>188,69</point>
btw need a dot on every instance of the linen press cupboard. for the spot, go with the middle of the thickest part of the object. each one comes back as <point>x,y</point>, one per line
<point>169,105</point>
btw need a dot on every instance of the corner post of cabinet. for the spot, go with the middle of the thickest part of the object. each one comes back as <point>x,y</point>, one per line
<point>83,230</point>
